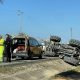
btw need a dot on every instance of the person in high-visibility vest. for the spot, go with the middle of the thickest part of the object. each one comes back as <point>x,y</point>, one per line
<point>1,48</point>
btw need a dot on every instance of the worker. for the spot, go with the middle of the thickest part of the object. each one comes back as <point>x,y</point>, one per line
<point>1,48</point>
<point>8,43</point>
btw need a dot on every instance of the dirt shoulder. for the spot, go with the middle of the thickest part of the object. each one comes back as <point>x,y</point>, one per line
<point>42,70</point>
<point>73,74</point>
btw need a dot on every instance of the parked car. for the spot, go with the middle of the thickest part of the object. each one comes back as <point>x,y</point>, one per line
<point>25,46</point>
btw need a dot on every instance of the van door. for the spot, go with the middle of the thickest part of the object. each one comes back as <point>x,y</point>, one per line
<point>34,46</point>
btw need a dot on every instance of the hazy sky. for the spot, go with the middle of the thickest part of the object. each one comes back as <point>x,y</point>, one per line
<point>41,18</point>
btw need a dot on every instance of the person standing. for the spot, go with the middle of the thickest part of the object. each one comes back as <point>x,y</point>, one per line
<point>8,43</point>
<point>1,48</point>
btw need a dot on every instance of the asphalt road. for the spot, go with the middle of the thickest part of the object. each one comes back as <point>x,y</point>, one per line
<point>27,61</point>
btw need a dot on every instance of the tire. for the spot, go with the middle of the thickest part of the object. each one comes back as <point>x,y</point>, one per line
<point>55,38</point>
<point>74,43</point>
<point>30,55</point>
<point>40,57</point>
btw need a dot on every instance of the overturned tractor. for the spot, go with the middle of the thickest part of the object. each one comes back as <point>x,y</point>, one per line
<point>68,52</point>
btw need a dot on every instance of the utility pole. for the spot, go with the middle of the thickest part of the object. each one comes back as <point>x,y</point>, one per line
<point>71,32</point>
<point>20,14</point>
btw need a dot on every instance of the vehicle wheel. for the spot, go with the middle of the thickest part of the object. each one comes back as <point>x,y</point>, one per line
<point>55,38</point>
<point>40,57</point>
<point>30,56</point>
<point>74,43</point>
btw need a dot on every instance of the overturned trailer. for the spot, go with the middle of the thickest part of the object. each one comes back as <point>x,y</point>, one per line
<point>53,47</point>
<point>73,57</point>
<point>68,52</point>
